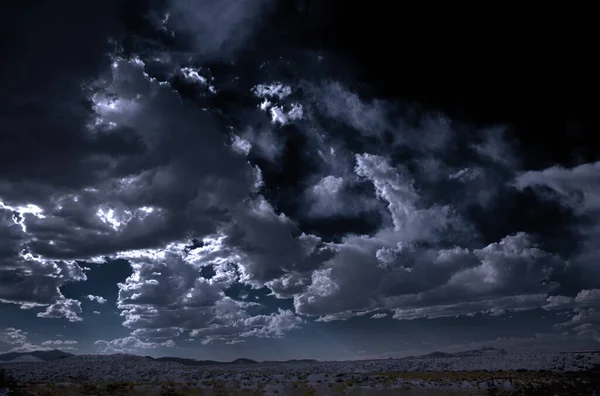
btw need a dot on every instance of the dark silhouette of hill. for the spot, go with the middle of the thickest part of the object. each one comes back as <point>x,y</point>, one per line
<point>471,352</point>
<point>58,354</point>
<point>194,362</point>
<point>188,362</point>
<point>291,361</point>
<point>44,355</point>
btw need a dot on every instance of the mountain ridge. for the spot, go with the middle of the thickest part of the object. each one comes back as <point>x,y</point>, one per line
<point>46,355</point>
<point>55,354</point>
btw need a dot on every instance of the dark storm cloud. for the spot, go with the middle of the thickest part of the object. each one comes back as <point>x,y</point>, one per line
<point>97,157</point>
<point>150,199</point>
<point>44,104</point>
<point>217,28</point>
<point>430,257</point>
<point>577,189</point>
<point>30,280</point>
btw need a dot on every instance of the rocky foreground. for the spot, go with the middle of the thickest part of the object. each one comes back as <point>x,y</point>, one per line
<point>510,374</point>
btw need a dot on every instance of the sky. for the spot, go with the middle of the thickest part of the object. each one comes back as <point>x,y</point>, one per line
<point>290,179</point>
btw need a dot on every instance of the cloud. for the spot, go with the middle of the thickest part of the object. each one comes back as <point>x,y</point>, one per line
<point>258,173</point>
<point>14,336</point>
<point>576,188</point>
<point>509,275</point>
<point>57,65</point>
<point>494,307</point>
<point>585,307</point>
<point>261,238</point>
<point>98,299</point>
<point>218,28</point>
<point>336,196</point>
<point>164,190</point>
<point>341,104</point>
<point>130,345</point>
<point>64,308</point>
<point>167,296</point>
<point>17,340</point>
<point>59,343</point>
<point>30,280</point>
<point>150,197</point>
<point>274,325</point>
<point>167,291</point>
<point>406,267</point>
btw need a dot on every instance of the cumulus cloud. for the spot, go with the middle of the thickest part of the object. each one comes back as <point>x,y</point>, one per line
<point>17,340</point>
<point>585,307</point>
<point>59,343</point>
<point>98,299</point>
<point>167,295</point>
<point>64,308</point>
<point>577,189</point>
<point>28,279</point>
<point>130,345</point>
<point>274,325</point>
<point>509,275</point>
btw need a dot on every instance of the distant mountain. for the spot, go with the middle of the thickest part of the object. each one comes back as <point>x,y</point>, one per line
<point>473,352</point>
<point>436,354</point>
<point>194,362</point>
<point>38,356</point>
<point>43,355</point>
<point>244,361</point>
<point>481,352</point>
<point>24,359</point>
<point>189,362</point>
<point>291,361</point>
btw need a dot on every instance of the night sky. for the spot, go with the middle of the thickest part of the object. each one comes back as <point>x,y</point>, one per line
<point>296,179</point>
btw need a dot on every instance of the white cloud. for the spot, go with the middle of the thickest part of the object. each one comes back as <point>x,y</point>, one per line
<point>585,307</point>
<point>497,306</point>
<point>274,325</point>
<point>98,299</point>
<point>274,90</point>
<point>130,345</point>
<point>16,340</point>
<point>578,190</point>
<point>59,343</point>
<point>64,308</point>
<point>578,187</point>
<point>379,316</point>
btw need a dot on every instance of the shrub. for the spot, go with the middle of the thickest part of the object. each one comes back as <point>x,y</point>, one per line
<point>7,382</point>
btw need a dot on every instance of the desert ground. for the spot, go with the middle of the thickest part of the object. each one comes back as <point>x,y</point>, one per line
<point>576,373</point>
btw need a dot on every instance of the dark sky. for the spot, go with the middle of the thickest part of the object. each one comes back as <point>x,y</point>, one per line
<point>296,179</point>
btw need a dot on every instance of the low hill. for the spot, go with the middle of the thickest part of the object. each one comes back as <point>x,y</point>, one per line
<point>473,352</point>
<point>43,355</point>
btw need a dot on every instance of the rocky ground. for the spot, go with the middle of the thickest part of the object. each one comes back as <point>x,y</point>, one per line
<point>508,374</point>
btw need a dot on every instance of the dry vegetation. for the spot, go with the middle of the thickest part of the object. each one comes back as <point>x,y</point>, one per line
<point>542,383</point>
<point>559,374</point>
